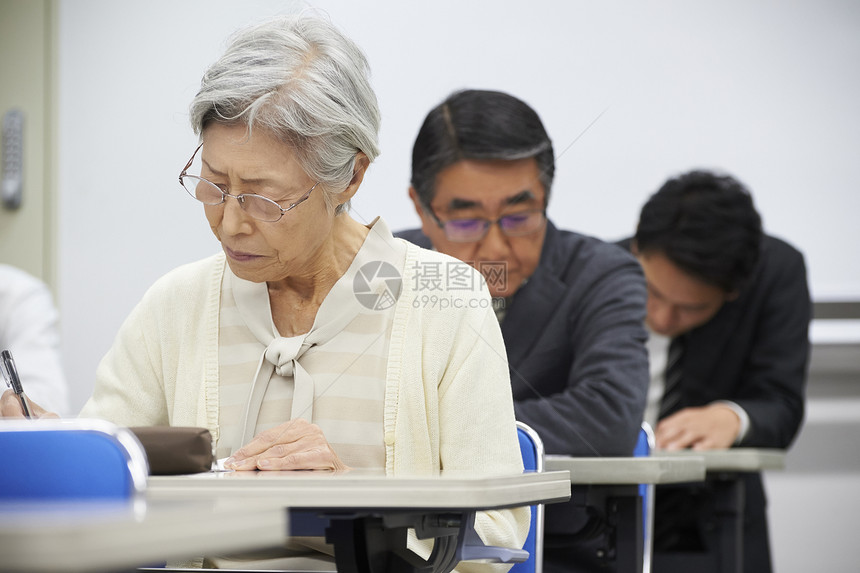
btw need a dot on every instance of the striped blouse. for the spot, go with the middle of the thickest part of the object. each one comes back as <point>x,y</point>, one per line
<point>333,376</point>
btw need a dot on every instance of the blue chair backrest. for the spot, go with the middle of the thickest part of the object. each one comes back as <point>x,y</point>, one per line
<point>69,460</point>
<point>532,451</point>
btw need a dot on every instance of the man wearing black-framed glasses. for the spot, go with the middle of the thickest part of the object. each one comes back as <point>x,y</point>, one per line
<point>571,307</point>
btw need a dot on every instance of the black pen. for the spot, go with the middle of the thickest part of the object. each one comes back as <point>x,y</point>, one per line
<point>10,373</point>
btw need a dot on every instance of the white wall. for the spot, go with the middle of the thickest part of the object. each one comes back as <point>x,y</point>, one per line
<point>766,90</point>
<point>814,502</point>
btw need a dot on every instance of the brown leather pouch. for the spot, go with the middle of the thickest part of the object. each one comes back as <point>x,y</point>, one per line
<point>175,450</point>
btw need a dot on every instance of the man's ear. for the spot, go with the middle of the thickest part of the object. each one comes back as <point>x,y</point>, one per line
<point>634,248</point>
<point>428,225</point>
<point>416,202</point>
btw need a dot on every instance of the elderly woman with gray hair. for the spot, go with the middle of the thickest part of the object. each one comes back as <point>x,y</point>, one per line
<point>308,342</point>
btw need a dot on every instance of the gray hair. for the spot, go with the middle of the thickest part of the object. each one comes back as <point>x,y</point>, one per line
<point>304,82</point>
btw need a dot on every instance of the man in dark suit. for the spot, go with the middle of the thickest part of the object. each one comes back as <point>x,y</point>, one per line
<point>728,314</point>
<point>571,307</point>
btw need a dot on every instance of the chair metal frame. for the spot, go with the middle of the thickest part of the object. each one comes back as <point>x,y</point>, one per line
<point>647,491</point>
<point>535,562</point>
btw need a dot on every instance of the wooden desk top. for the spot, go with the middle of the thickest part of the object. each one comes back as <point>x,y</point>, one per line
<point>363,489</point>
<point>629,471</point>
<point>98,536</point>
<point>735,459</point>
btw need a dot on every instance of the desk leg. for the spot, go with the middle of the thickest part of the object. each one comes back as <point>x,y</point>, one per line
<point>365,545</point>
<point>729,499</point>
<point>625,515</point>
<point>377,544</point>
<point>617,511</point>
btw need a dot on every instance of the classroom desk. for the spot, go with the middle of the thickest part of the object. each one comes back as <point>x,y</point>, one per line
<point>100,536</point>
<point>609,487</point>
<point>723,472</point>
<point>626,471</point>
<point>366,515</point>
<point>735,459</point>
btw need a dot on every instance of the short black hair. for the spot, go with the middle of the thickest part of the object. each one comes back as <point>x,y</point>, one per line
<point>705,224</point>
<point>482,125</point>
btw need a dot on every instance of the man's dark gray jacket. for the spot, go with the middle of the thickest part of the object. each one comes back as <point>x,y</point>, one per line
<point>574,334</point>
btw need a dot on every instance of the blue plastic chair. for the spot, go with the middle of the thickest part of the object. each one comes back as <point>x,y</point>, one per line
<point>529,559</point>
<point>70,460</point>
<point>532,450</point>
<point>645,444</point>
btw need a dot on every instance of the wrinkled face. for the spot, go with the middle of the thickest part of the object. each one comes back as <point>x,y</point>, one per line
<point>677,301</point>
<point>489,190</point>
<point>262,251</point>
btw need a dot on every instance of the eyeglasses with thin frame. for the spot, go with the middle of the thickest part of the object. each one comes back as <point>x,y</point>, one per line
<point>257,206</point>
<point>468,230</point>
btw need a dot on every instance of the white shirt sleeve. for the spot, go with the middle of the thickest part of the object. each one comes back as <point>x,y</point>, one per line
<point>29,330</point>
<point>742,414</point>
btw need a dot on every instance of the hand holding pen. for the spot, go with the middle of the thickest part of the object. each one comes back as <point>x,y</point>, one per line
<point>10,374</point>
<point>14,403</point>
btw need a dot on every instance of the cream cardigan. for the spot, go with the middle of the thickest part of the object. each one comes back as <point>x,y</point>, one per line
<point>448,402</point>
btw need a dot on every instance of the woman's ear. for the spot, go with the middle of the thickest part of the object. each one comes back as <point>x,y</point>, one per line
<point>360,166</point>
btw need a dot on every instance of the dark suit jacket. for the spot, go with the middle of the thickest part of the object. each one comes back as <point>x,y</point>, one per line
<point>575,341</point>
<point>755,352</point>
